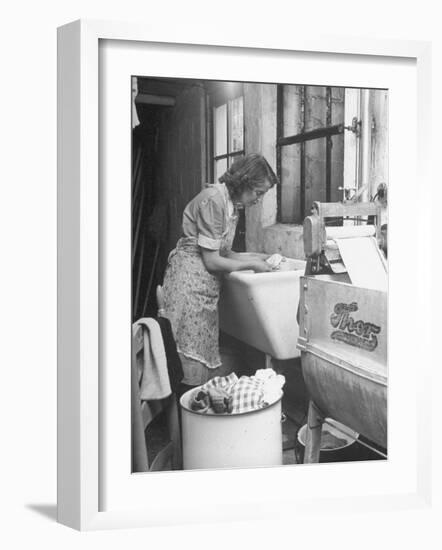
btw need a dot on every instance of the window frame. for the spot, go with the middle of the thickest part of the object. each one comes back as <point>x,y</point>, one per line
<point>216,97</point>
<point>321,132</point>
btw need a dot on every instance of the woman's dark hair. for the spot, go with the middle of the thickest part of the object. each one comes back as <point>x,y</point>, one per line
<point>246,173</point>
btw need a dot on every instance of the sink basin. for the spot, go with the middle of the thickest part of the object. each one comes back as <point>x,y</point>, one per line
<point>260,308</point>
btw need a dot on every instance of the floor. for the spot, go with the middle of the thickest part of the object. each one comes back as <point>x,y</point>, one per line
<point>157,437</point>
<point>246,360</point>
<point>289,430</point>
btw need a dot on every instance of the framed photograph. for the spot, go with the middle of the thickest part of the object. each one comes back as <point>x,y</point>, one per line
<point>225,314</point>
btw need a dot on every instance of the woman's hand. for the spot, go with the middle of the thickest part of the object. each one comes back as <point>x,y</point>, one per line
<point>259,255</point>
<point>247,256</point>
<point>215,263</point>
<point>261,266</point>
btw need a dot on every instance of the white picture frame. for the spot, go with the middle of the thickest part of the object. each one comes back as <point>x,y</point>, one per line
<point>80,446</point>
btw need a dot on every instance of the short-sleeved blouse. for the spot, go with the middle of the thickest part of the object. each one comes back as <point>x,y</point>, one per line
<point>207,216</point>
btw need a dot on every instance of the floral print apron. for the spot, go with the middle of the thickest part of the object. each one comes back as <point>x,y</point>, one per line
<point>191,297</point>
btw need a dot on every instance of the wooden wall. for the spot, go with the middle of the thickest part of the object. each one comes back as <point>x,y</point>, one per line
<point>291,156</point>
<point>169,169</point>
<point>260,137</point>
<point>181,158</point>
<point>379,139</point>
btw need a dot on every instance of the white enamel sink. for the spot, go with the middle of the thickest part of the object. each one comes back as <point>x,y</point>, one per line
<point>260,308</point>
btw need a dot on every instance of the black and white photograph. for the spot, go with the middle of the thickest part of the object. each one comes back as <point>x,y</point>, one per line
<point>259,273</point>
<point>220,275</point>
<point>221,292</point>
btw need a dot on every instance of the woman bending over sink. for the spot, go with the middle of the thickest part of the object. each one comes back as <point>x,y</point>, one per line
<point>193,279</point>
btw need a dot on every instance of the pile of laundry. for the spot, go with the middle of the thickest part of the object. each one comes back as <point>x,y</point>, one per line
<point>230,394</point>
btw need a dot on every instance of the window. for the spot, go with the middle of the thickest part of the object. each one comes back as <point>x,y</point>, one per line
<point>310,148</point>
<point>228,134</point>
<point>226,138</point>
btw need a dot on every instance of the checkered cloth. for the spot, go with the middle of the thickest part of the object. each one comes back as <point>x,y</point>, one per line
<point>248,393</point>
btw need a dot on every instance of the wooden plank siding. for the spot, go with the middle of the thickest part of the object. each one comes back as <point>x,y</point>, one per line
<point>182,145</point>
<point>291,155</point>
<point>315,117</point>
<point>337,152</point>
<point>379,139</point>
<point>172,141</point>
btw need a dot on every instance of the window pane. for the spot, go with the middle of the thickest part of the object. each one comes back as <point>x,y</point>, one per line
<point>315,107</point>
<point>220,119</point>
<point>232,158</point>
<point>293,117</point>
<point>291,184</point>
<point>310,104</point>
<point>236,127</point>
<point>220,168</point>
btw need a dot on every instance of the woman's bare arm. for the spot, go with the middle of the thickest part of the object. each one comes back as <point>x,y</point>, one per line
<point>215,263</point>
<point>246,256</point>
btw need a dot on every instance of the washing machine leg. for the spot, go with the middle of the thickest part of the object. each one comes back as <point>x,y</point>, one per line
<point>313,434</point>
